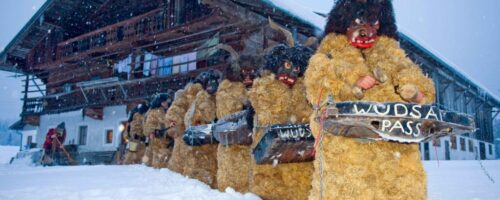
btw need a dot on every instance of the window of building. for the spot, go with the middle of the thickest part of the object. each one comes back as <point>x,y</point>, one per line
<point>74,47</point>
<point>453,140</point>
<point>109,136</point>
<point>490,149</point>
<point>180,11</point>
<point>84,44</point>
<point>163,66</point>
<point>426,151</point>
<point>471,146</point>
<point>29,140</point>
<point>67,87</point>
<point>120,33</point>
<point>82,135</point>
<point>123,129</point>
<point>462,144</point>
<point>184,63</point>
<point>101,40</point>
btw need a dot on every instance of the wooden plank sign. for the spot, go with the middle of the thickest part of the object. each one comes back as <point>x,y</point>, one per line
<point>398,122</point>
<point>199,135</point>
<point>285,143</point>
<point>234,129</point>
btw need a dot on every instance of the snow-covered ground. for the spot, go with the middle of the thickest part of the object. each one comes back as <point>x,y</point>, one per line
<point>7,152</point>
<point>451,180</point>
<point>463,180</point>
<point>104,182</point>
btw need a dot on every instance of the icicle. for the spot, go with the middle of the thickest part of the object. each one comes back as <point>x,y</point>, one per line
<point>436,151</point>
<point>275,162</point>
<point>301,153</point>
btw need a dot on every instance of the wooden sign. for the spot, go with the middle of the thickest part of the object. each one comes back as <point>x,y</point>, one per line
<point>96,113</point>
<point>199,135</point>
<point>399,122</point>
<point>285,143</point>
<point>234,129</point>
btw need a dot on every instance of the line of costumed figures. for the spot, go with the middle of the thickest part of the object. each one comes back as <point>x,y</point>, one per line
<point>339,122</point>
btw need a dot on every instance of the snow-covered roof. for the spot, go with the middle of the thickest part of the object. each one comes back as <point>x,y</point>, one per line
<point>305,14</point>
<point>448,63</point>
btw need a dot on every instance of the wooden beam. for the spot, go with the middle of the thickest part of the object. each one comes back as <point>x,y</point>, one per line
<point>457,97</point>
<point>37,86</point>
<point>96,113</point>
<point>103,94</point>
<point>458,92</point>
<point>470,99</point>
<point>495,114</point>
<point>33,120</point>
<point>52,25</point>
<point>26,92</point>
<point>84,95</point>
<point>35,91</point>
<point>123,91</point>
<point>479,105</point>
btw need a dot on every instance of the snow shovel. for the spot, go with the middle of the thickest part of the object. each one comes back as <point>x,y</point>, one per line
<point>45,160</point>
<point>70,160</point>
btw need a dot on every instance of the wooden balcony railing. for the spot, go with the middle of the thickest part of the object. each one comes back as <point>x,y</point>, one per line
<point>138,30</point>
<point>131,30</point>
<point>113,93</point>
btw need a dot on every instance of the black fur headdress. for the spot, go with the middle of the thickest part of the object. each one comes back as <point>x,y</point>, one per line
<point>204,77</point>
<point>346,11</point>
<point>297,55</point>
<point>238,62</point>
<point>293,52</point>
<point>141,108</point>
<point>159,98</point>
<point>245,62</point>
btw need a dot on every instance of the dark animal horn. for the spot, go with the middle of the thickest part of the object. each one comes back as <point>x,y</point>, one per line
<point>235,57</point>
<point>221,75</point>
<point>286,32</point>
<point>268,49</point>
<point>311,41</point>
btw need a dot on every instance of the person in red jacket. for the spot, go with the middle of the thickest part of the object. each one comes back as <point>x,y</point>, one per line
<point>53,142</point>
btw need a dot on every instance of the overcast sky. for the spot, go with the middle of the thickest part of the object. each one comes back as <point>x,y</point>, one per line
<point>13,15</point>
<point>462,32</point>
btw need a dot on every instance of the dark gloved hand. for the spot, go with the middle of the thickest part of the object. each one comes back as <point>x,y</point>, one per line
<point>160,133</point>
<point>170,143</point>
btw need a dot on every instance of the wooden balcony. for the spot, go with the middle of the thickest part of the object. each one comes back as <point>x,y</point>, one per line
<point>117,92</point>
<point>132,30</point>
<point>146,29</point>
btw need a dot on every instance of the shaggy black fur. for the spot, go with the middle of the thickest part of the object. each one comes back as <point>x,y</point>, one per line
<point>346,11</point>
<point>206,77</point>
<point>246,62</point>
<point>159,98</point>
<point>141,108</point>
<point>298,56</point>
